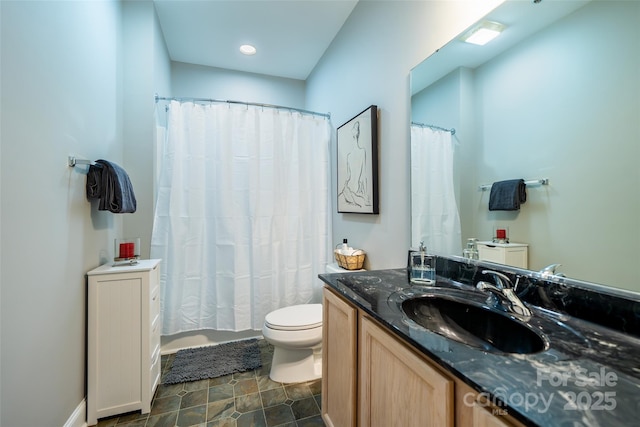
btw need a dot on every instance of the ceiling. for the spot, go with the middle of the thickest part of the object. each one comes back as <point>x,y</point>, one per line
<point>522,20</point>
<point>290,35</point>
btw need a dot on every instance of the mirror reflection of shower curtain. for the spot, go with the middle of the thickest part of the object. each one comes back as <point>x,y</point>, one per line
<point>242,217</point>
<point>434,213</point>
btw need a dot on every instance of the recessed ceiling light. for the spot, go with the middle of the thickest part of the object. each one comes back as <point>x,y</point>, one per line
<point>483,33</point>
<point>247,49</point>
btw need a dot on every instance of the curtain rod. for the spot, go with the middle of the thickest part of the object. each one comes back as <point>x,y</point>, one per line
<point>452,130</point>
<point>254,104</point>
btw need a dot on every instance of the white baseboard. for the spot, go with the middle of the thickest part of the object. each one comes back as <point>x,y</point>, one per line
<point>79,417</point>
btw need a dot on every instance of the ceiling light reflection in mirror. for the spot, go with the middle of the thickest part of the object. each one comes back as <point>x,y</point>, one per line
<point>483,33</point>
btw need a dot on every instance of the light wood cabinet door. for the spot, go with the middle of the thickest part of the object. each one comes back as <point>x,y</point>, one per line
<point>339,367</point>
<point>398,387</point>
<point>483,418</point>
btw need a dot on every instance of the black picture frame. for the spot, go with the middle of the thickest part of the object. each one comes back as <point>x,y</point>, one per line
<point>357,163</point>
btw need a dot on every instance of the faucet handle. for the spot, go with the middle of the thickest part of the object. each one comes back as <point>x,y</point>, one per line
<point>502,280</point>
<point>550,270</point>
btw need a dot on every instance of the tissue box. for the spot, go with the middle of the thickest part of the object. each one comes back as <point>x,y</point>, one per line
<point>349,262</point>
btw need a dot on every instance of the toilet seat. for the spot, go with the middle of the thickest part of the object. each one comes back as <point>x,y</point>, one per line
<point>295,318</point>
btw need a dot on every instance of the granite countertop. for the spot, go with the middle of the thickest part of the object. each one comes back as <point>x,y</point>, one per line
<point>588,376</point>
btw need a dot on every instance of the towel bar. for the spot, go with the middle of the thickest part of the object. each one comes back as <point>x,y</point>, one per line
<point>543,181</point>
<point>72,161</point>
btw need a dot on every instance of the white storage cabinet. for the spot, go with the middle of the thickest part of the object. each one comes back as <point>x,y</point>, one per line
<point>123,338</point>
<point>513,254</point>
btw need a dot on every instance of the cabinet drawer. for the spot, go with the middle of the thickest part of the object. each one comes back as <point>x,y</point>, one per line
<point>154,305</point>
<point>509,254</point>
<point>154,280</point>
<point>491,253</point>
<point>154,374</point>
<point>154,339</point>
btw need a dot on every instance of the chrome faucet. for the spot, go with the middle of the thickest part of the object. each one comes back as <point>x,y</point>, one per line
<point>502,294</point>
<point>550,270</point>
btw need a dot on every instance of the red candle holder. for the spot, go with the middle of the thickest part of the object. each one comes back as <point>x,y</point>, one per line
<point>127,249</point>
<point>500,234</point>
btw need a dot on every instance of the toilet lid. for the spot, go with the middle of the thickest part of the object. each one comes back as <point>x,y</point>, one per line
<point>295,318</point>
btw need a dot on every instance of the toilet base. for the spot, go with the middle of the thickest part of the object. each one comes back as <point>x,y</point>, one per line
<point>296,366</point>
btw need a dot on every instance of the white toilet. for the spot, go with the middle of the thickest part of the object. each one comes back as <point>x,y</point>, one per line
<point>296,335</point>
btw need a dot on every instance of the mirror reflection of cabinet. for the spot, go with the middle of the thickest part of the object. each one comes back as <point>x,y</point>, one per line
<point>513,254</point>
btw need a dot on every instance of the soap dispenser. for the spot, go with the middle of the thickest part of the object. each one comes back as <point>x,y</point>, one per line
<point>422,266</point>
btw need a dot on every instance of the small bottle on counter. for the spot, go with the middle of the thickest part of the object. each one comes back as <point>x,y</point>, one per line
<point>471,251</point>
<point>344,247</point>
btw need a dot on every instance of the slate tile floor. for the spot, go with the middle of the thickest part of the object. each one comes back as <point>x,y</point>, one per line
<point>248,399</point>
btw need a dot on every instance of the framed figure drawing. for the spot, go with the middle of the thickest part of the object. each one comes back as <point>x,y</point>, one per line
<point>357,142</point>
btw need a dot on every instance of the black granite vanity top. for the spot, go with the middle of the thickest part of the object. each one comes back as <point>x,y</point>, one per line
<point>588,376</point>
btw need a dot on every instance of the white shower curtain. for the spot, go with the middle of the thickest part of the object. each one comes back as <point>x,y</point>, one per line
<point>434,211</point>
<point>242,217</point>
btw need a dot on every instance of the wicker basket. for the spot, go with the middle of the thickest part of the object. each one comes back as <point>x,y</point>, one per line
<point>350,262</point>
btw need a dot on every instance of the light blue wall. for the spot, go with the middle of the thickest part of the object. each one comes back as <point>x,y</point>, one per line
<point>61,95</point>
<point>369,63</point>
<point>77,78</point>
<point>198,81</point>
<point>146,71</point>
<point>564,105</point>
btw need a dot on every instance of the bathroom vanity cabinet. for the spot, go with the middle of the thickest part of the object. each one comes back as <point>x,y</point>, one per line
<point>373,378</point>
<point>123,338</point>
<point>396,386</point>
<point>339,345</point>
<point>483,418</point>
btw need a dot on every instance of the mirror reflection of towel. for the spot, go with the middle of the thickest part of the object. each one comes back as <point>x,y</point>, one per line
<point>507,195</point>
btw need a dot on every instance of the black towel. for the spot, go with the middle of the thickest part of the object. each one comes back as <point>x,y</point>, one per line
<point>507,195</point>
<point>94,182</point>
<point>110,183</point>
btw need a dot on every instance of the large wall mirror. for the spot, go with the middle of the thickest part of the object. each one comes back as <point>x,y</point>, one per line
<point>556,96</point>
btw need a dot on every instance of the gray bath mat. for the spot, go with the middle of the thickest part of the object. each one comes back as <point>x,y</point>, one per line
<point>214,361</point>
